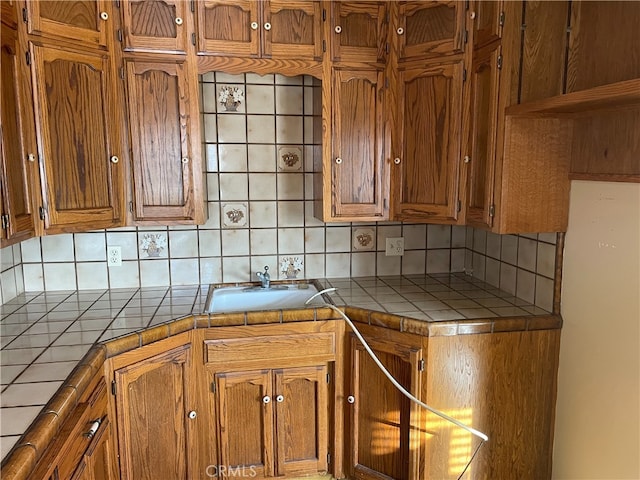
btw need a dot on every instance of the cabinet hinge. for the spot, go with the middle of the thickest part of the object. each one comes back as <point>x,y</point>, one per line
<point>41,212</point>
<point>193,6</point>
<point>499,62</point>
<point>113,387</point>
<point>5,222</point>
<point>384,204</point>
<point>117,3</point>
<point>119,35</point>
<point>387,48</point>
<point>193,39</point>
<point>328,378</point>
<point>28,57</point>
<point>458,205</point>
<point>386,82</point>
<point>131,206</point>
<point>25,16</point>
<point>387,18</point>
<point>501,19</point>
<point>328,459</point>
<point>324,45</point>
<point>466,36</point>
<point>324,14</point>
<point>213,387</point>
<point>464,74</point>
<point>421,365</point>
<point>492,210</point>
<point>121,73</point>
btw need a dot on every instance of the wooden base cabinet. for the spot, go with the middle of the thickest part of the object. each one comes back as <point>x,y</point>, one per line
<point>273,422</point>
<point>383,425</point>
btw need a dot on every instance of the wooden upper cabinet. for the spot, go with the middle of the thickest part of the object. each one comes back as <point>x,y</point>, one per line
<point>426,145</point>
<point>18,149</point>
<point>428,29</point>
<point>79,140</point>
<point>152,404</point>
<point>84,21</point>
<point>359,32</point>
<point>156,25</point>
<point>481,152</point>
<point>257,29</point>
<point>165,146</point>
<point>488,18</point>
<point>358,183</point>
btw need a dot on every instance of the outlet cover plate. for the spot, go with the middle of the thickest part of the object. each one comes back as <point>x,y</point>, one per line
<point>114,256</point>
<point>394,247</point>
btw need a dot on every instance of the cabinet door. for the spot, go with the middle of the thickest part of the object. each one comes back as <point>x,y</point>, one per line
<point>84,21</point>
<point>98,461</point>
<point>152,400</point>
<point>164,142</point>
<point>384,424</point>
<point>79,138</point>
<point>292,29</point>
<point>485,77</point>
<point>487,19</point>
<point>359,31</point>
<point>18,157</point>
<point>425,174</point>
<point>428,29</point>
<point>245,416</point>
<point>230,28</point>
<point>301,396</point>
<point>155,25</point>
<point>358,183</point>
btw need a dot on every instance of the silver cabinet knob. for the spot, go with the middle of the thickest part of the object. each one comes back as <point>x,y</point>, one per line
<point>338,160</point>
<point>351,399</point>
<point>338,29</point>
<point>185,160</point>
<point>114,159</point>
<point>104,15</point>
<point>266,399</point>
<point>472,15</point>
<point>31,157</point>
<point>280,398</point>
<point>192,414</point>
<point>95,425</point>
<point>178,21</point>
<point>254,25</point>
<point>467,159</point>
<point>267,26</point>
<point>396,161</point>
<point>400,31</point>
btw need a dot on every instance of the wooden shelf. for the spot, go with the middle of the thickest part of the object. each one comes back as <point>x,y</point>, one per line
<point>606,97</point>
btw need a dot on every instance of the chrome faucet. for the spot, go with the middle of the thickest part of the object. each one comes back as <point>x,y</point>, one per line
<point>264,277</point>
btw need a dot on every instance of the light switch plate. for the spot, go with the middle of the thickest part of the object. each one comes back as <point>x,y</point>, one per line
<point>394,247</point>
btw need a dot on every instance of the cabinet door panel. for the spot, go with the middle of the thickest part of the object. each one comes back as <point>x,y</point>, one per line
<point>357,166</point>
<point>487,26</point>
<point>16,171</point>
<point>246,421</point>
<point>79,140</point>
<point>484,118</point>
<point>359,31</point>
<point>384,423</point>
<point>227,28</point>
<point>301,420</point>
<point>155,25</point>
<point>430,29</point>
<point>165,163</point>
<point>86,21</point>
<point>295,29</point>
<point>425,181</point>
<point>151,403</point>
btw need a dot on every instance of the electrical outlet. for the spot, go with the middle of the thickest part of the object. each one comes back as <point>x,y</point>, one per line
<point>114,256</point>
<point>394,247</point>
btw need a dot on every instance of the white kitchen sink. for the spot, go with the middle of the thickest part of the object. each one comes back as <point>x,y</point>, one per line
<point>223,299</point>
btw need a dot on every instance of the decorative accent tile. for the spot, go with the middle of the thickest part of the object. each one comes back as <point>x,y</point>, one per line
<point>364,239</point>
<point>153,245</point>
<point>230,98</point>
<point>234,215</point>
<point>290,159</point>
<point>290,267</point>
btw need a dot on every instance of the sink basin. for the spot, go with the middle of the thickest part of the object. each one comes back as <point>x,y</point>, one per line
<point>223,299</point>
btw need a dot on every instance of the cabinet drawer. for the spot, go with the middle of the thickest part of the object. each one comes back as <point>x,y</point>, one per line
<point>269,347</point>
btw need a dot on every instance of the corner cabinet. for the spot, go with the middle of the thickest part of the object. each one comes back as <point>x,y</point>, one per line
<point>80,140</point>
<point>165,142</point>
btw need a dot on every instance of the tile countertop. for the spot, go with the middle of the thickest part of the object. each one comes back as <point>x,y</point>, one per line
<point>43,335</point>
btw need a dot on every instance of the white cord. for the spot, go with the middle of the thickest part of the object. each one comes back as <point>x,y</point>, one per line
<point>403,390</point>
